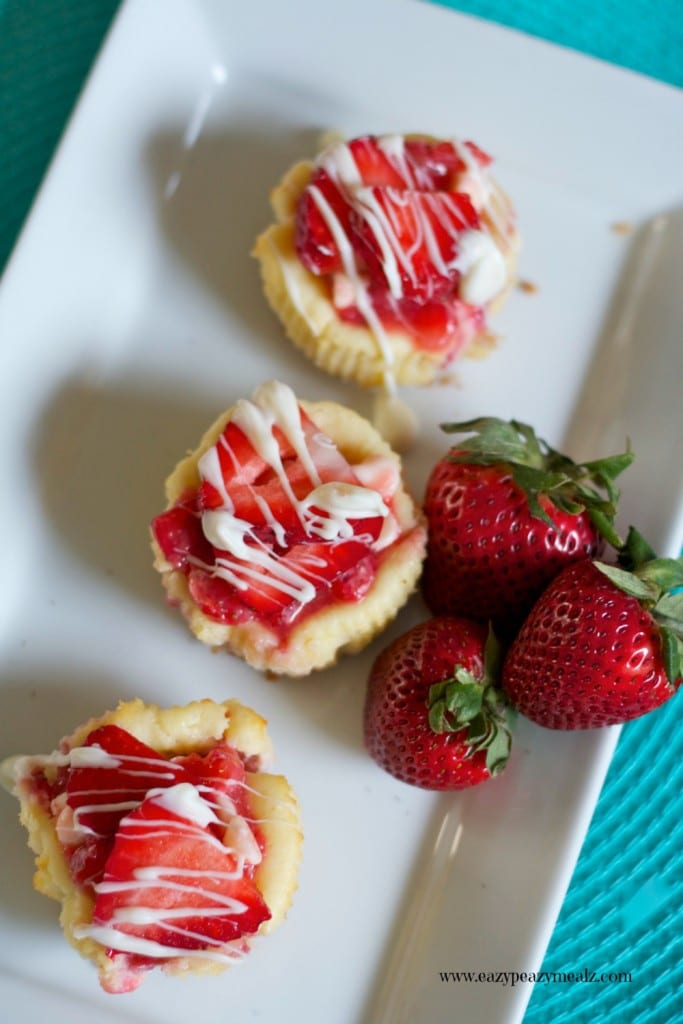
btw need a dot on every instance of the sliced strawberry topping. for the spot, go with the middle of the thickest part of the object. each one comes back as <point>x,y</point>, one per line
<point>382,215</point>
<point>87,860</point>
<point>221,771</point>
<point>336,566</point>
<point>375,166</point>
<point>315,243</point>
<point>421,229</point>
<point>220,778</point>
<point>344,570</point>
<point>178,532</point>
<point>277,546</point>
<point>435,164</point>
<point>170,881</point>
<point>168,852</point>
<point>219,600</point>
<point>482,158</point>
<point>258,493</point>
<point>221,767</point>
<point>440,325</point>
<point>239,460</point>
<point>101,794</point>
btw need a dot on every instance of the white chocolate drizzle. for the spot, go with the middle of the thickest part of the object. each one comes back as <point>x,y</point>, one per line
<point>482,266</point>
<point>359,284</point>
<point>325,513</point>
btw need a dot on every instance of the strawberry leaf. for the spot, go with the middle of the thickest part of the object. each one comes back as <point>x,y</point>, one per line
<point>667,573</point>
<point>632,585</point>
<point>610,467</point>
<point>604,525</point>
<point>494,439</point>
<point>533,484</point>
<point>671,605</point>
<point>498,751</point>
<point>465,701</point>
<point>568,504</point>
<point>466,678</point>
<point>672,653</point>
<point>674,625</point>
<point>477,705</point>
<point>437,713</point>
<point>636,550</point>
<point>478,733</point>
<point>453,704</point>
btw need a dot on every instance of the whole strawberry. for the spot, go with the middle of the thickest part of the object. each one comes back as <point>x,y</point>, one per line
<point>602,645</point>
<point>505,514</point>
<point>434,716</point>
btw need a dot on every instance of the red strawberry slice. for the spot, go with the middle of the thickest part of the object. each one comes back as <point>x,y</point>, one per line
<point>250,481</point>
<point>221,771</point>
<point>178,532</point>
<point>100,796</point>
<point>87,860</point>
<point>341,569</point>
<point>345,565</point>
<point>421,230</point>
<point>239,460</point>
<point>443,325</point>
<point>315,243</point>
<point>218,599</point>
<point>270,500</point>
<point>353,583</point>
<point>329,461</point>
<point>208,496</point>
<point>220,778</point>
<point>482,158</point>
<point>376,167</point>
<point>189,898</point>
<point>258,494</point>
<point>435,164</point>
<point>243,466</point>
<point>422,165</point>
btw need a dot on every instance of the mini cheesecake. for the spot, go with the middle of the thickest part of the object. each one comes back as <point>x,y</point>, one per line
<point>163,837</point>
<point>388,256</point>
<point>289,536</point>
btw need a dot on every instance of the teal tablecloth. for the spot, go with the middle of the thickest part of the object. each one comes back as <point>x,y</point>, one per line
<point>623,910</point>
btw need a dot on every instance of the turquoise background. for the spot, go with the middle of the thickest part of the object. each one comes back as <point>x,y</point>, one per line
<point>623,909</point>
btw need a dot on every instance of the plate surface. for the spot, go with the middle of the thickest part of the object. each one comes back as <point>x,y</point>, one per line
<point>131,314</point>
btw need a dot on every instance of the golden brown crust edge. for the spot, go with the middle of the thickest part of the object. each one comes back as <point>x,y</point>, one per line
<point>176,731</point>
<point>340,628</point>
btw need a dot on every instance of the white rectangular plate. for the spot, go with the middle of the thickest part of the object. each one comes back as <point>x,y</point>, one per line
<point>131,314</point>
